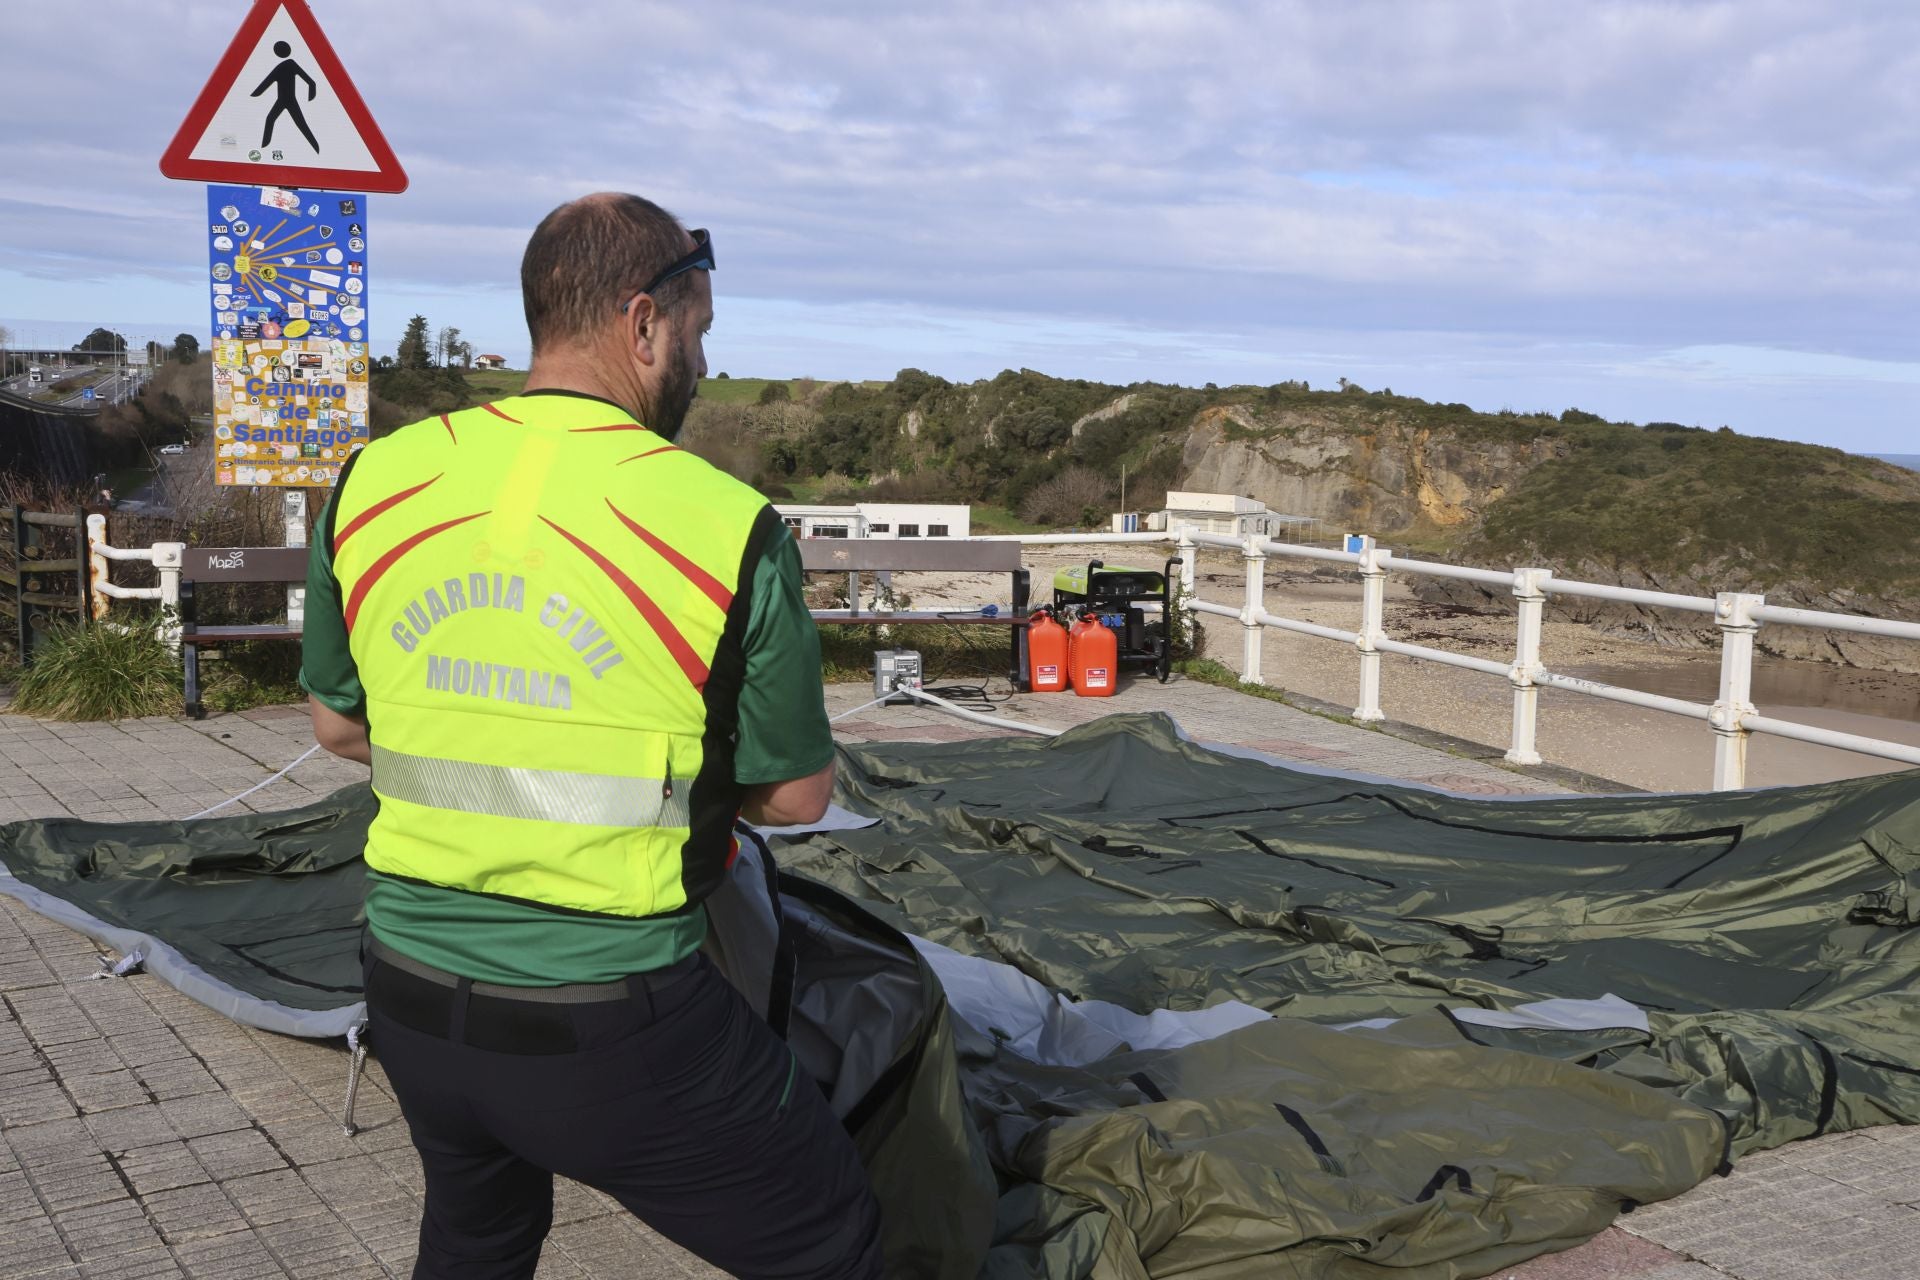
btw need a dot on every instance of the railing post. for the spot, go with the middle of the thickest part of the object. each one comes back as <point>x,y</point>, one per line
<point>1733,614</point>
<point>1255,604</point>
<point>96,572</point>
<point>168,557</point>
<point>1529,592</point>
<point>1373,623</point>
<point>1189,550</point>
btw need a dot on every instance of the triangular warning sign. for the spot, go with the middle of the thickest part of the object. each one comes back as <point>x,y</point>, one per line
<point>280,110</point>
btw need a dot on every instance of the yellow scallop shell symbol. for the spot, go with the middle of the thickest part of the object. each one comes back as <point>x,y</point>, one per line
<point>297,328</point>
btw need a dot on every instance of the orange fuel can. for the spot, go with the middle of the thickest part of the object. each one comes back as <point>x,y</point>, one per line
<point>1046,654</point>
<point>1093,658</point>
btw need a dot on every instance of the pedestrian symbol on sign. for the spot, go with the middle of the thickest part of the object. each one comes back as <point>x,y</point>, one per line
<point>281,78</point>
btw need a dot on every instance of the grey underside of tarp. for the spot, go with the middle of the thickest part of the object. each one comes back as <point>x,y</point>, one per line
<point>1768,935</point>
<point>257,916</point>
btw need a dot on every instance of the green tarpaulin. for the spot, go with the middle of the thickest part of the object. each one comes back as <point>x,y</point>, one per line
<point>1758,948</point>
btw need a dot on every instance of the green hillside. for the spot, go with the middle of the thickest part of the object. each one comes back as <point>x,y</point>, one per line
<point>1659,501</point>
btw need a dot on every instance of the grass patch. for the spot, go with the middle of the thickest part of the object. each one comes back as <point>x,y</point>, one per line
<point>100,673</point>
<point>736,390</point>
<point>495,384</point>
<point>264,673</point>
<point>988,518</point>
<point>948,654</point>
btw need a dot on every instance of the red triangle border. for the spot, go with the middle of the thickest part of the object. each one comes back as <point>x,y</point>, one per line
<point>177,162</point>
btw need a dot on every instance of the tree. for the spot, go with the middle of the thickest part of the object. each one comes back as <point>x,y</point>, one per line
<point>775,393</point>
<point>448,345</point>
<point>186,348</point>
<point>414,352</point>
<point>1077,496</point>
<point>102,342</point>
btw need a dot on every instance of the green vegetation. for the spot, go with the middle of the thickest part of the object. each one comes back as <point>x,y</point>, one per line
<point>1665,500</point>
<point>495,384</point>
<point>100,673</point>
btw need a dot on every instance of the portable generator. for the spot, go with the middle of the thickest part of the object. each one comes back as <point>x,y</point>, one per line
<point>894,670</point>
<point>1114,594</point>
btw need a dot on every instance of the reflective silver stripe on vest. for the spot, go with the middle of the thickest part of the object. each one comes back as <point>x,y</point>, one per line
<point>542,795</point>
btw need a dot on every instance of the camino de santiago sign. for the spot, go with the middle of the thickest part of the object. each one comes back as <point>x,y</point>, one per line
<point>292,151</point>
<point>288,286</point>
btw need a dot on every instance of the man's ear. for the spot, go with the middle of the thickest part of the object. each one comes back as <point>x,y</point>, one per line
<point>645,325</point>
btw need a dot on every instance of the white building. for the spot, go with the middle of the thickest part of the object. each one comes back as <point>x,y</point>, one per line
<point>1218,513</point>
<point>489,362</point>
<point>878,520</point>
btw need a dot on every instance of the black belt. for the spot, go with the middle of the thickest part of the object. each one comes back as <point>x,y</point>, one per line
<point>573,993</point>
<point>521,1020</point>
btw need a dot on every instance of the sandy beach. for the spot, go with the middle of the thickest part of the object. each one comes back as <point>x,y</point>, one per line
<point>1648,749</point>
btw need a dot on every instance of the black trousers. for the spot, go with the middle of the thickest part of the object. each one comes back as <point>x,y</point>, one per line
<point>679,1102</point>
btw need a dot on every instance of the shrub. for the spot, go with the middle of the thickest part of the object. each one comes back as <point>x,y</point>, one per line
<point>100,672</point>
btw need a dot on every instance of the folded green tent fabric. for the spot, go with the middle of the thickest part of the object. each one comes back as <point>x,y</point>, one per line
<point>1766,936</point>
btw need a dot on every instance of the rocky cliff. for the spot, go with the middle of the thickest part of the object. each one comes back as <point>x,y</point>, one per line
<point>1388,476</point>
<point>1664,508</point>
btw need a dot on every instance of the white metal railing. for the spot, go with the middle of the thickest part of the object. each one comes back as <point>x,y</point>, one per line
<point>165,557</point>
<point>1738,616</point>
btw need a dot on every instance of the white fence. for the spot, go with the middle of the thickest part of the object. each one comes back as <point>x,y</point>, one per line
<point>1732,716</point>
<point>165,557</point>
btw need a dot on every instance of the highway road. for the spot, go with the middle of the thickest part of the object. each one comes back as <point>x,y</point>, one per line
<point>110,385</point>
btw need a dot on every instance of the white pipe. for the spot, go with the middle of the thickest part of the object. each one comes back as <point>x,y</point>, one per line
<point>1434,569</point>
<point>1614,693</point>
<point>127,593</point>
<point>1304,628</point>
<point>1837,621</point>
<point>1061,539</point>
<point>1630,595</point>
<point>1832,738</point>
<point>921,695</point>
<point>1208,606</point>
<point>1300,552</point>
<point>1441,655</point>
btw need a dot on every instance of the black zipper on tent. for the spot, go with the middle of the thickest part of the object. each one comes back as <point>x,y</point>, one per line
<point>1883,1066</point>
<point>1309,1136</point>
<point>1272,852</point>
<point>1144,1083</point>
<point>1829,1085</point>
<point>1440,1178</point>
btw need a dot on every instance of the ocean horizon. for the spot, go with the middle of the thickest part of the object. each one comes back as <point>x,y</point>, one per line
<point>1911,461</point>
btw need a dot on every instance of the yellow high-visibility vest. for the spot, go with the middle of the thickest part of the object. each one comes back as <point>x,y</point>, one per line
<point>546,604</point>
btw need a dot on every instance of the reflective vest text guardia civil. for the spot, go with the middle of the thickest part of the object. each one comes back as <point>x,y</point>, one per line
<point>540,596</point>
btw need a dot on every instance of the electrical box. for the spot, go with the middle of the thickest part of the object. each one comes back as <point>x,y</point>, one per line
<point>895,669</point>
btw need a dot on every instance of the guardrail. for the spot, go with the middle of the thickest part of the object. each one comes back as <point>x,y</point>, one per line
<point>1738,616</point>
<point>165,557</point>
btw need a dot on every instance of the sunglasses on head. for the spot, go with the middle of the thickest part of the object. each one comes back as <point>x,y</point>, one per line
<point>699,258</point>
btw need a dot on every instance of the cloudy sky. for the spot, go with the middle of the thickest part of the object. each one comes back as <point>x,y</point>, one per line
<point>1701,212</point>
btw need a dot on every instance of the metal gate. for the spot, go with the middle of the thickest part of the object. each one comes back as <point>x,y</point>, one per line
<point>43,574</point>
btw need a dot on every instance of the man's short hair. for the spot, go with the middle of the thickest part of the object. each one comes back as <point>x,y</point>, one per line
<point>592,254</point>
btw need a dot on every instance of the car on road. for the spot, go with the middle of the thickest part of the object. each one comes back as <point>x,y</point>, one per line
<point>173,448</point>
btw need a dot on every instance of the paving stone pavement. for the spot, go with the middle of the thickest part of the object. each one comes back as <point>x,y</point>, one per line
<point>143,1135</point>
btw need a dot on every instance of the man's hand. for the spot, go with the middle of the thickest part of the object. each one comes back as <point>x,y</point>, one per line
<point>345,736</point>
<point>787,804</point>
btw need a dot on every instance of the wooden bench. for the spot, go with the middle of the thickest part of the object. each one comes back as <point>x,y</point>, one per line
<point>855,556</point>
<point>287,565</point>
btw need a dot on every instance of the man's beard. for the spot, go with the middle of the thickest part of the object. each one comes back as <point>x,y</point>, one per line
<point>668,411</point>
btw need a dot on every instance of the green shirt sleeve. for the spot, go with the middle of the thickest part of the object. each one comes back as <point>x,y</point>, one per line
<point>784,732</point>
<point>327,670</point>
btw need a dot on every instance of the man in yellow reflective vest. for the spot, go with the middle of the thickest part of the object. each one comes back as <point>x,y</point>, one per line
<point>572,653</point>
